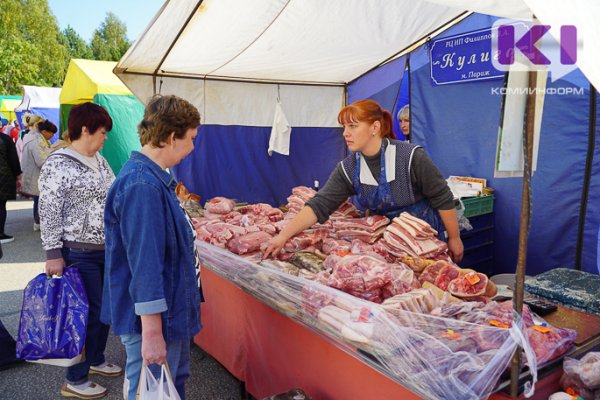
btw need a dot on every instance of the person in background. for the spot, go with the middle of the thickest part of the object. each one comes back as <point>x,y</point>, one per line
<point>36,148</point>
<point>404,121</point>
<point>74,183</point>
<point>10,180</point>
<point>61,143</point>
<point>385,176</point>
<point>151,294</point>
<point>29,122</point>
<point>13,133</point>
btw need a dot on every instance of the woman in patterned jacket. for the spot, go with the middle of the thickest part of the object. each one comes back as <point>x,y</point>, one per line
<point>73,186</point>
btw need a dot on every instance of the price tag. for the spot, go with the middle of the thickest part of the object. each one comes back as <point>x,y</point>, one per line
<point>344,253</point>
<point>473,278</point>
<point>498,324</point>
<point>543,329</point>
<point>450,334</point>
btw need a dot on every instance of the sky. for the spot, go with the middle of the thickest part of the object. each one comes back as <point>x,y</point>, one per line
<point>85,16</point>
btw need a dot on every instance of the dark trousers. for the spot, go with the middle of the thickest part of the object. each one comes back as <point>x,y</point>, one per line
<point>36,214</point>
<point>91,268</point>
<point>2,216</point>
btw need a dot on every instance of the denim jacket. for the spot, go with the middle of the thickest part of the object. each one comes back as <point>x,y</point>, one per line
<point>149,254</point>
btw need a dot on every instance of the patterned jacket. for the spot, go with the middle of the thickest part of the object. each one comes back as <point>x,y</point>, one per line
<point>72,199</point>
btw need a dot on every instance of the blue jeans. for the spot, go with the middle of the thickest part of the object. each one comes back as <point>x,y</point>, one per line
<point>36,214</point>
<point>178,357</point>
<point>91,268</point>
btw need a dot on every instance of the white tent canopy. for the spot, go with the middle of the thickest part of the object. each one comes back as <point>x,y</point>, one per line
<point>39,97</point>
<point>306,50</point>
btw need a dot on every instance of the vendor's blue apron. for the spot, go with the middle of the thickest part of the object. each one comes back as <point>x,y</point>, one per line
<point>382,202</point>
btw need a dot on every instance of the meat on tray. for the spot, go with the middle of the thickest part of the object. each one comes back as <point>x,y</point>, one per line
<point>368,229</point>
<point>369,277</point>
<point>219,205</point>
<point>418,300</point>
<point>330,245</point>
<point>410,236</point>
<point>248,243</point>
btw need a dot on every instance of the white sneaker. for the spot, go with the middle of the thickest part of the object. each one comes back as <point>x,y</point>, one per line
<point>106,369</point>
<point>92,391</point>
<point>36,227</point>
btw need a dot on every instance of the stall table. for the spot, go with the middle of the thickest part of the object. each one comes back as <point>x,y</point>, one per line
<point>272,353</point>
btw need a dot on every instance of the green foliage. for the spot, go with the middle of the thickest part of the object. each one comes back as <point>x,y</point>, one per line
<point>30,51</point>
<point>33,50</point>
<point>75,45</point>
<point>110,41</point>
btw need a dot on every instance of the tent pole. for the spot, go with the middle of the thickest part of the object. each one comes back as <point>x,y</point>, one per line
<point>524,223</point>
<point>587,177</point>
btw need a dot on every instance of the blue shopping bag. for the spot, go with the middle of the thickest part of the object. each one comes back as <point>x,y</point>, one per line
<point>53,319</point>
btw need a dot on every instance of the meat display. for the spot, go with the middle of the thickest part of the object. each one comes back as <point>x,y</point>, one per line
<point>368,229</point>
<point>583,375</point>
<point>248,243</point>
<point>410,236</point>
<point>219,205</point>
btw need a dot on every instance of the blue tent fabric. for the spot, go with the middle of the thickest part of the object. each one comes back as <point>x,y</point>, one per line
<point>232,161</point>
<point>591,253</point>
<point>458,127</point>
<point>51,114</point>
<point>400,102</point>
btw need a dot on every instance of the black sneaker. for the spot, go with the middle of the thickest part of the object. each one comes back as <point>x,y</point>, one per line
<point>4,238</point>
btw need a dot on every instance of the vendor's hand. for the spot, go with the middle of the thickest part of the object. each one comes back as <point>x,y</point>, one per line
<point>456,249</point>
<point>19,184</point>
<point>154,349</point>
<point>54,267</point>
<point>273,246</point>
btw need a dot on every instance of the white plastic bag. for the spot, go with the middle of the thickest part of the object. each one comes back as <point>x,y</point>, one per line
<point>157,389</point>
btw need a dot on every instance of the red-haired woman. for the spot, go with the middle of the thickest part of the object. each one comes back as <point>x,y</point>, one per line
<point>384,175</point>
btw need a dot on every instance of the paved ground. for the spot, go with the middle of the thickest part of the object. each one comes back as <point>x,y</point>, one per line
<point>23,259</point>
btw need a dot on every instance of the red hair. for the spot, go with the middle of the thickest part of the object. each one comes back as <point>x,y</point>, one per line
<point>368,111</point>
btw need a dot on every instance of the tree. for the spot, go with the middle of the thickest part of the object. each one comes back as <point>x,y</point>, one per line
<point>31,52</point>
<point>75,45</point>
<point>109,41</point>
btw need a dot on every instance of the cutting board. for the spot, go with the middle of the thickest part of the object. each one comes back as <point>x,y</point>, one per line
<point>586,325</point>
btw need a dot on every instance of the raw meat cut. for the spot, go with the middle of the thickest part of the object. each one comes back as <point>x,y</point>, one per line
<point>219,205</point>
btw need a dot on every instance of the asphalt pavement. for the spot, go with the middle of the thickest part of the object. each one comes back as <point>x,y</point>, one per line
<point>24,259</point>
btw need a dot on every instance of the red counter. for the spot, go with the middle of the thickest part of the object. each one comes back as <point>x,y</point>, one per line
<point>272,353</point>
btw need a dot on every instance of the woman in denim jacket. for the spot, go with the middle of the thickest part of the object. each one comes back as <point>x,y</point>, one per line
<point>151,294</point>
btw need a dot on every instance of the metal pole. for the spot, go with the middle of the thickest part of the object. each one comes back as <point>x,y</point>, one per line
<point>525,221</point>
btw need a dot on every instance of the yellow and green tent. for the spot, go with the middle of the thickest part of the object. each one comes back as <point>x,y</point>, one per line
<point>94,81</point>
<point>8,105</point>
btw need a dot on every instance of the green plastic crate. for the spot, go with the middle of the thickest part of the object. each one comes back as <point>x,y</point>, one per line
<point>478,205</point>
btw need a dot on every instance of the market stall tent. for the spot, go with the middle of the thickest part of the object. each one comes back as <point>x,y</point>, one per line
<point>94,81</point>
<point>42,101</point>
<point>8,105</point>
<point>234,60</point>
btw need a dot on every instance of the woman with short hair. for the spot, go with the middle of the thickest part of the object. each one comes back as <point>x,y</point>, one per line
<point>151,295</point>
<point>74,183</point>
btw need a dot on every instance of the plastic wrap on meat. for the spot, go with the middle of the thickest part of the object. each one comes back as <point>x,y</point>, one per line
<point>331,245</point>
<point>583,375</point>
<point>587,370</point>
<point>550,344</point>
